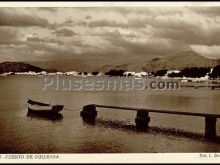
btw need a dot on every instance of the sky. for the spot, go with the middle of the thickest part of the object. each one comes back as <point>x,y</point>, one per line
<point>106,35</point>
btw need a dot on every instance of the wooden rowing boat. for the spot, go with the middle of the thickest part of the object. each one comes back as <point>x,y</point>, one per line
<point>43,108</point>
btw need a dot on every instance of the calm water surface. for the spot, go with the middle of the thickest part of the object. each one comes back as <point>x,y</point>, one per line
<point>114,131</point>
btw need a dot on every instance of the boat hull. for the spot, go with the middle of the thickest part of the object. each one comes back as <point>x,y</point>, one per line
<point>45,110</point>
<point>57,108</point>
<point>44,115</point>
<point>42,112</point>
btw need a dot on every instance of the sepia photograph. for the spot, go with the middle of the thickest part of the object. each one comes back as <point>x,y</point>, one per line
<point>109,78</point>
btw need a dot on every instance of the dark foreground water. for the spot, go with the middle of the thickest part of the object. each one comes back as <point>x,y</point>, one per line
<point>114,131</point>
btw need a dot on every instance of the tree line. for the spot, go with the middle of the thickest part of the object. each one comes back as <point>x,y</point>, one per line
<point>192,72</point>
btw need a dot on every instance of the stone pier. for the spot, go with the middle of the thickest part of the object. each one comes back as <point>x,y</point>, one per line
<point>89,113</point>
<point>142,120</point>
<point>210,127</point>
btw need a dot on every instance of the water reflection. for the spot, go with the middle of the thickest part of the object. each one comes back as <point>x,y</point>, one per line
<point>105,146</point>
<point>171,132</point>
<point>53,117</point>
<point>20,132</point>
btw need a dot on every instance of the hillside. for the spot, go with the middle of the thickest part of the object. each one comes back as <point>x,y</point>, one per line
<point>6,67</point>
<point>185,59</point>
<point>179,61</point>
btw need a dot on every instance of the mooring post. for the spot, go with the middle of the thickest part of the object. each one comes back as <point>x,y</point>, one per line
<point>142,120</point>
<point>89,113</point>
<point>210,127</point>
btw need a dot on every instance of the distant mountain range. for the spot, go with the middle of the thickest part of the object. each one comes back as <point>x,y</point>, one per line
<point>179,61</point>
<point>7,67</point>
<point>185,59</point>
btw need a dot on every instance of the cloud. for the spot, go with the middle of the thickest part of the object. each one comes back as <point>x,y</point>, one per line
<point>208,51</point>
<point>134,23</point>
<point>64,32</point>
<point>35,38</point>
<point>144,47</point>
<point>88,17</point>
<point>9,18</point>
<point>9,36</point>
<point>168,21</point>
<point>48,9</point>
<point>208,11</point>
<point>123,34</point>
<point>103,23</point>
<point>205,33</point>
